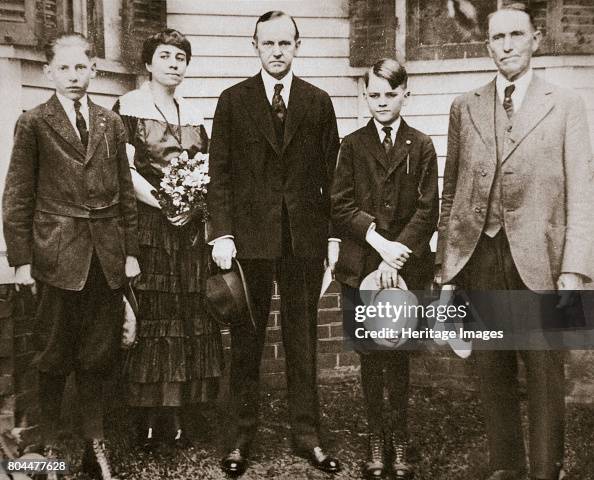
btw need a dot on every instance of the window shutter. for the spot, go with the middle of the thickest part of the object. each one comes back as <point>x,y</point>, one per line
<point>373,31</point>
<point>141,18</point>
<point>50,20</point>
<point>96,26</point>
<point>17,20</point>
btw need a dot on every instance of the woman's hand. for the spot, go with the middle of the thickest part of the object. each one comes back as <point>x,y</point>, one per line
<point>181,219</point>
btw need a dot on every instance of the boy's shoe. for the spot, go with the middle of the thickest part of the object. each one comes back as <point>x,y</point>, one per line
<point>375,467</point>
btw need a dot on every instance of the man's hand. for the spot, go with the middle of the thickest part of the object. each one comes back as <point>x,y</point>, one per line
<point>566,284</point>
<point>223,251</point>
<point>132,268</point>
<point>386,276</point>
<point>181,219</point>
<point>333,252</point>
<point>23,278</point>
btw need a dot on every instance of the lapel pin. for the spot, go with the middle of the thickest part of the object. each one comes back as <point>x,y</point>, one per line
<point>408,142</point>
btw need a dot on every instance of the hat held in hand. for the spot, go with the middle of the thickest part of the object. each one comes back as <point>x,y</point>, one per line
<point>392,298</point>
<point>227,297</point>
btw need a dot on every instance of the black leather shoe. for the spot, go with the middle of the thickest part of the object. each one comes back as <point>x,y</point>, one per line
<point>235,463</point>
<point>506,475</point>
<point>401,469</point>
<point>375,468</point>
<point>320,460</point>
<point>95,461</point>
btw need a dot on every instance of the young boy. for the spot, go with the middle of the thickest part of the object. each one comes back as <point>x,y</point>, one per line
<point>69,216</point>
<point>385,210</point>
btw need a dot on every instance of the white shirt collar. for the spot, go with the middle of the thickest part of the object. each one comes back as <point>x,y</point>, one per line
<point>395,126</point>
<point>519,93</point>
<point>270,82</point>
<point>68,106</point>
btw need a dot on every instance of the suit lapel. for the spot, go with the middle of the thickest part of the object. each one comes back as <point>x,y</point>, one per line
<point>373,144</point>
<point>56,118</point>
<point>482,113</point>
<point>401,149</point>
<point>256,103</point>
<point>298,101</point>
<point>96,129</point>
<point>536,105</point>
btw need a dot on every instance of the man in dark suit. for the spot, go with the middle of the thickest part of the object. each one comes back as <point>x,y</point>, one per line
<point>272,156</point>
<point>69,216</point>
<point>516,215</point>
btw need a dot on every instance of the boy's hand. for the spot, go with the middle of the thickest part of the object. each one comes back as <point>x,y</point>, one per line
<point>394,254</point>
<point>132,267</point>
<point>386,276</point>
<point>22,277</point>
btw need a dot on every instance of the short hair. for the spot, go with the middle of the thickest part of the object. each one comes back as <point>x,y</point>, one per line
<point>271,16</point>
<point>514,7</point>
<point>168,36</point>
<point>71,39</point>
<point>388,69</point>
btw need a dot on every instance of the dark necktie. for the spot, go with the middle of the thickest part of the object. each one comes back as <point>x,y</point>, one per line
<point>387,143</point>
<point>81,125</point>
<point>508,103</point>
<point>278,104</point>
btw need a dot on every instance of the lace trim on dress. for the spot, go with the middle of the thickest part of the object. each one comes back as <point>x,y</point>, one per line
<point>139,103</point>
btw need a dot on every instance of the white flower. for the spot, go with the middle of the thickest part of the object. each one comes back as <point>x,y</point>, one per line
<point>183,157</point>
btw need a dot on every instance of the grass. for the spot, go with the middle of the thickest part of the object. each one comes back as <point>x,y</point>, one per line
<point>445,425</point>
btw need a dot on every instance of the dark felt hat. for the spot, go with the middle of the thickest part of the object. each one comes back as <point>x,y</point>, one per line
<point>227,297</point>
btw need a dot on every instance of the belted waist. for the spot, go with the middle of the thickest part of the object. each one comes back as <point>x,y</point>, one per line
<point>60,207</point>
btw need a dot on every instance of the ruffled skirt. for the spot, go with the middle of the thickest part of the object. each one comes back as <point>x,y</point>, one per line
<point>177,358</point>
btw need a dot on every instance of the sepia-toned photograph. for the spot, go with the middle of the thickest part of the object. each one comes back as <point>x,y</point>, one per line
<point>297,239</point>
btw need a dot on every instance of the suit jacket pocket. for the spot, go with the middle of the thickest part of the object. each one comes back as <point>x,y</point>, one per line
<point>110,175</point>
<point>555,238</point>
<point>46,244</point>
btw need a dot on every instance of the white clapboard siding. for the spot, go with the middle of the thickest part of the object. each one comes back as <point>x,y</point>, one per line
<point>243,26</point>
<point>299,8</point>
<point>453,83</point>
<point>226,46</point>
<point>222,52</point>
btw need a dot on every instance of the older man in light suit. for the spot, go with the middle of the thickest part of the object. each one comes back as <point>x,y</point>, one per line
<point>515,215</point>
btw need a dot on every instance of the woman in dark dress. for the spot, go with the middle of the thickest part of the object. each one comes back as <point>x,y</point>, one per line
<point>177,359</point>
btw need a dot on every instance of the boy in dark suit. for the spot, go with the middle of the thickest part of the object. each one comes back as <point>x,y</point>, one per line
<point>69,216</point>
<point>385,210</point>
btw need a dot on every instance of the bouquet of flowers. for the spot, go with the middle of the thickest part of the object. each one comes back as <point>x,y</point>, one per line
<point>184,185</point>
